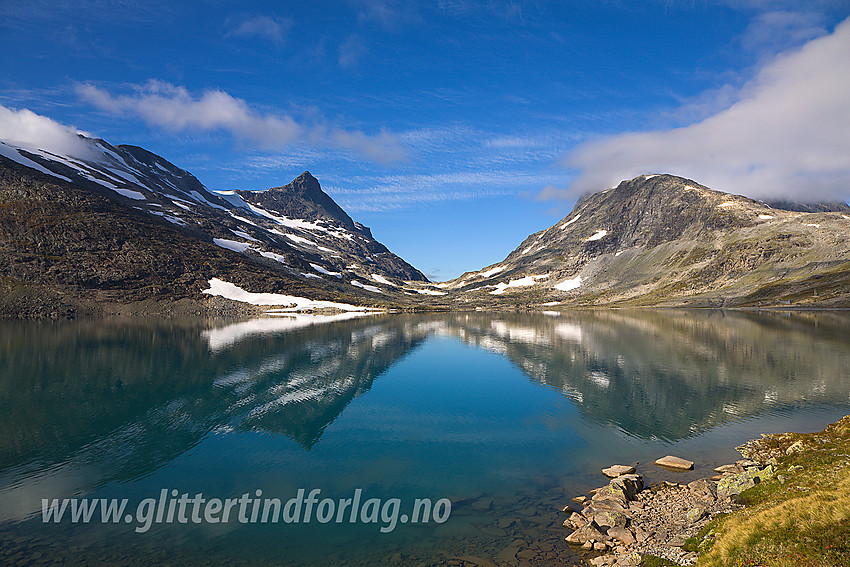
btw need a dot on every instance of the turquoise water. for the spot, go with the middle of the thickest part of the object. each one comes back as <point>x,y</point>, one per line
<point>505,417</point>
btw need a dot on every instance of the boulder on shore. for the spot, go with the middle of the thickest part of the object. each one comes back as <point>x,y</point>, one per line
<point>737,483</point>
<point>585,533</point>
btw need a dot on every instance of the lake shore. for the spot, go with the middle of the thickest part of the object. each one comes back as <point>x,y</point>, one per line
<point>788,499</point>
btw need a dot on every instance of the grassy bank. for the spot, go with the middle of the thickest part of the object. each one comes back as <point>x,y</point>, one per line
<point>800,517</point>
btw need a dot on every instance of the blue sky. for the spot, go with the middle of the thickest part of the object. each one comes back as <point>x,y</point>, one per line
<point>453,128</point>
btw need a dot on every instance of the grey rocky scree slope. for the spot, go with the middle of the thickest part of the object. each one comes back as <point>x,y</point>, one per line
<point>663,240</point>
<point>124,225</point>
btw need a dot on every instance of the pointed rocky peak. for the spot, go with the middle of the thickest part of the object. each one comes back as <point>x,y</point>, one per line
<point>303,198</point>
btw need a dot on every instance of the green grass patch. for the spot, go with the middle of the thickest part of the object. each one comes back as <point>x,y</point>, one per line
<point>798,518</point>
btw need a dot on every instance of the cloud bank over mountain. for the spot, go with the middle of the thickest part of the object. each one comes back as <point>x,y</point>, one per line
<point>787,134</point>
<point>39,132</point>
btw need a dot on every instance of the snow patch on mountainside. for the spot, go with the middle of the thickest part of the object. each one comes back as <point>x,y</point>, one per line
<point>12,154</point>
<point>491,271</point>
<point>234,245</point>
<point>522,282</point>
<point>568,285</point>
<point>233,292</point>
<point>130,194</point>
<point>325,271</point>
<point>569,222</point>
<point>381,279</point>
<point>426,291</point>
<point>371,288</point>
<point>245,235</point>
<point>273,256</point>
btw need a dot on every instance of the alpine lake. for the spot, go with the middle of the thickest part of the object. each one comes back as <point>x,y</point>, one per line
<point>421,438</point>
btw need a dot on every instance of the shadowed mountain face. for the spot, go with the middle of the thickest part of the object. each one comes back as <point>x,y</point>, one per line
<point>665,240</point>
<point>123,224</point>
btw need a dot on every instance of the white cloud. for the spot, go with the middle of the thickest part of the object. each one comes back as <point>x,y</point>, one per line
<point>28,129</point>
<point>175,109</point>
<point>787,134</point>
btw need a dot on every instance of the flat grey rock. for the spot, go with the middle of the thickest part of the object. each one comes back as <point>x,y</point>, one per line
<point>676,463</point>
<point>616,470</point>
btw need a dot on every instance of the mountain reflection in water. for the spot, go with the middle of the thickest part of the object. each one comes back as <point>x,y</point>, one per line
<point>85,404</point>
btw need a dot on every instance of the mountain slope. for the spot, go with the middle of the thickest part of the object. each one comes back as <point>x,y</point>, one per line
<point>122,224</point>
<point>666,240</point>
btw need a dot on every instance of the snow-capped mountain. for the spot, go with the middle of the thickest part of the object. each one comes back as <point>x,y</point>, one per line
<point>296,229</point>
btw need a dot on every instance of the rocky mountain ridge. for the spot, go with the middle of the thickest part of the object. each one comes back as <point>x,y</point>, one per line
<point>123,219</point>
<point>666,240</point>
<point>125,225</point>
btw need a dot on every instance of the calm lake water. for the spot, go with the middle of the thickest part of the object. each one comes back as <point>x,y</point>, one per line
<point>504,416</point>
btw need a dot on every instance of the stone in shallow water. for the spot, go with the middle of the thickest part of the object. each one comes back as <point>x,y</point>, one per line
<point>677,463</point>
<point>616,470</point>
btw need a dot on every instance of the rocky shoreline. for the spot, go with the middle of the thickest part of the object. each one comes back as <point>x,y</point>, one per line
<point>620,523</point>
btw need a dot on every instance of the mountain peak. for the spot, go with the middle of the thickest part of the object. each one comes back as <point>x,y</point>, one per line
<point>303,198</point>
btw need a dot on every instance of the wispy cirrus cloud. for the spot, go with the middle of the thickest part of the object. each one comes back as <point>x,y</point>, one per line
<point>265,27</point>
<point>392,192</point>
<point>786,134</point>
<point>351,51</point>
<point>175,109</point>
<point>776,30</point>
